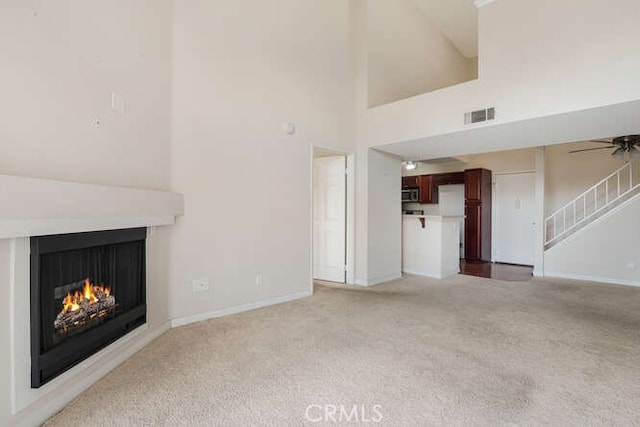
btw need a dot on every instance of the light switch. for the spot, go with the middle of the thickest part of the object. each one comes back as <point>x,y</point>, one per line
<point>118,103</point>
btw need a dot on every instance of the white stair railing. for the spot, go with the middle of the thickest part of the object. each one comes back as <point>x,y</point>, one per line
<point>589,204</point>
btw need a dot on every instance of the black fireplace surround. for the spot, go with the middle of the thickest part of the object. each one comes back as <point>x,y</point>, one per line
<point>113,262</point>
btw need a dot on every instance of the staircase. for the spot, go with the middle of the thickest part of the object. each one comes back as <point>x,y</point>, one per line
<point>611,192</point>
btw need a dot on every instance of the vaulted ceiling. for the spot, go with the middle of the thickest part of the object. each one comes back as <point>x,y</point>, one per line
<point>457,19</point>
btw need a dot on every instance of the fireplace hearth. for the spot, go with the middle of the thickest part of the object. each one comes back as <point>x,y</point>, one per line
<point>87,290</point>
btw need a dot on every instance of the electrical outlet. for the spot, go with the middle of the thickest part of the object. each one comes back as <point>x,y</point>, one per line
<point>259,279</point>
<point>631,265</point>
<point>200,285</point>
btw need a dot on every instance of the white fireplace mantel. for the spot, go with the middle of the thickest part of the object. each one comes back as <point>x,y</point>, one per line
<point>35,207</point>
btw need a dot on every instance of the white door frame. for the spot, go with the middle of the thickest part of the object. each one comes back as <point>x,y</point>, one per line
<point>351,217</point>
<point>494,222</point>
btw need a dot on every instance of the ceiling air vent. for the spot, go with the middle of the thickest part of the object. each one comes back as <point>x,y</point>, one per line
<point>479,116</point>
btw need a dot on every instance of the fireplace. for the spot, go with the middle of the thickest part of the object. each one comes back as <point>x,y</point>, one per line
<point>87,290</point>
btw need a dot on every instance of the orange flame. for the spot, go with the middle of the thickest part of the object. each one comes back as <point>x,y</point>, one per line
<point>72,302</point>
<point>69,303</point>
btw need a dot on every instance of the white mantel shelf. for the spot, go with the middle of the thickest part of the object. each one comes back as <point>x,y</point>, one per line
<point>35,207</point>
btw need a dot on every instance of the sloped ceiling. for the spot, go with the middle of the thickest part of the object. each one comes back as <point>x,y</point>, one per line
<point>457,19</point>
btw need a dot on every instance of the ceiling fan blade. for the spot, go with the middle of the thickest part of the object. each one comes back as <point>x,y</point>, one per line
<point>602,141</point>
<point>589,149</point>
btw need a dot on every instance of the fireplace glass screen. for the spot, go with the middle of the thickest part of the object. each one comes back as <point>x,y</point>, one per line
<point>88,289</point>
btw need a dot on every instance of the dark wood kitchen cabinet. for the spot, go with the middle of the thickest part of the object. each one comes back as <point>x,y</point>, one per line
<point>449,178</point>
<point>409,182</point>
<point>428,189</point>
<point>428,184</point>
<point>477,209</point>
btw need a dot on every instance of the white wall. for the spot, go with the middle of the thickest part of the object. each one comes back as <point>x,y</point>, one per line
<point>5,333</point>
<point>603,251</point>
<point>502,161</point>
<point>536,59</point>
<point>384,233</point>
<point>408,55</point>
<point>457,19</point>
<point>237,77</point>
<point>61,62</point>
<point>569,175</point>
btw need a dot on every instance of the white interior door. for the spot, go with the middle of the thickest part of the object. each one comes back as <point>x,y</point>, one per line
<point>514,212</point>
<point>329,218</point>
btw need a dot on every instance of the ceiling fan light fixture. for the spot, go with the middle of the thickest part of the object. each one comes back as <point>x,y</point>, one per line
<point>634,153</point>
<point>619,153</point>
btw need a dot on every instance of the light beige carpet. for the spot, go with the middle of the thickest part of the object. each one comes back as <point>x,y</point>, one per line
<point>462,351</point>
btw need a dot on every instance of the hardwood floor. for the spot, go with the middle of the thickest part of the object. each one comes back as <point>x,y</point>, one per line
<point>507,272</point>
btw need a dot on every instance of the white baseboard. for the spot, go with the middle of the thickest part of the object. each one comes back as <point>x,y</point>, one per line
<point>378,280</point>
<point>431,275</point>
<point>181,321</point>
<point>423,273</point>
<point>97,366</point>
<point>623,282</point>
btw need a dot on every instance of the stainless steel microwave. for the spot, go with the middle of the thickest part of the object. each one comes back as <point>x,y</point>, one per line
<point>411,195</point>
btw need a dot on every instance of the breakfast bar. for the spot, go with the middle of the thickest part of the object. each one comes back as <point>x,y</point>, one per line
<point>431,245</point>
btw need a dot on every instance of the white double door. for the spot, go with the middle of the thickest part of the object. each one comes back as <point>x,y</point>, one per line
<point>514,217</point>
<point>329,218</point>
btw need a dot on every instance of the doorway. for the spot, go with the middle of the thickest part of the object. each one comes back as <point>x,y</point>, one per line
<point>514,218</point>
<point>329,217</point>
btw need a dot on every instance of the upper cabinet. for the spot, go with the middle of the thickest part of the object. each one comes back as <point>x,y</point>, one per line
<point>409,182</point>
<point>449,178</point>
<point>428,184</point>
<point>428,189</point>
<point>476,181</point>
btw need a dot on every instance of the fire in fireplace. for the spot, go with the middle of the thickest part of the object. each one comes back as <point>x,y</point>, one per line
<point>84,309</point>
<point>87,290</point>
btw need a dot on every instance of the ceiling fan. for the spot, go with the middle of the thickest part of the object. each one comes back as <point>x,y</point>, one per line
<point>624,145</point>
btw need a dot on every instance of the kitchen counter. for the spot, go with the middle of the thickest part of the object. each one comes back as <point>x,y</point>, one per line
<point>431,245</point>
